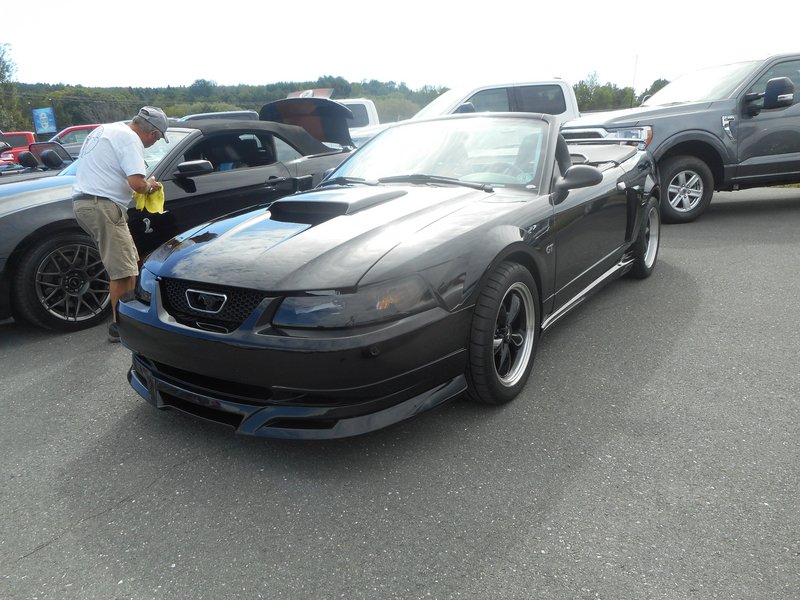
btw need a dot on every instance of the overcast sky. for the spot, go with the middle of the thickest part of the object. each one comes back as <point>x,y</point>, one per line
<point>439,43</point>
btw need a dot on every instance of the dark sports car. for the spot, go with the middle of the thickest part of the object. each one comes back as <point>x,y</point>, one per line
<point>425,266</point>
<point>50,270</point>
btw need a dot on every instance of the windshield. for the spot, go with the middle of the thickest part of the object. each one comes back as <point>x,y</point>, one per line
<point>494,150</point>
<point>705,85</point>
<point>155,153</point>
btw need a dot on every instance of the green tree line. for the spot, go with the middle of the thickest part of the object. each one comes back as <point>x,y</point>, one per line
<point>75,105</point>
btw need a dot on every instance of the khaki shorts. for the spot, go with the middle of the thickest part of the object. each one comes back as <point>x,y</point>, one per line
<point>107,223</point>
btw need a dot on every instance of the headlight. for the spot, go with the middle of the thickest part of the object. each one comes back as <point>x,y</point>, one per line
<point>370,304</point>
<point>644,134</point>
<point>145,286</point>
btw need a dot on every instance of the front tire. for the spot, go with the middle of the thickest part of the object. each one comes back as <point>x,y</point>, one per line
<point>645,249</point>
<point>61,284</point>
<point>504,335</point>
<point>687,188</point>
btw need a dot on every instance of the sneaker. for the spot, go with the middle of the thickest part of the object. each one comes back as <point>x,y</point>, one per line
<point>113,332</point>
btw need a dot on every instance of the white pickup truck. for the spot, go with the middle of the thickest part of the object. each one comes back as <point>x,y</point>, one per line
<point>553,97</point>
<point>364,114</point>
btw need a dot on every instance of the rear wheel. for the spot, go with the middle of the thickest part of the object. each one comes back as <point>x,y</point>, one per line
<point>645,249</point>
<point>61,284</point>
<point>504,335</point>
<point>688,186</point>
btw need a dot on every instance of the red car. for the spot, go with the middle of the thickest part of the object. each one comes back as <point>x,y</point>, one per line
<point>72,137</point>
<point>19,141</point>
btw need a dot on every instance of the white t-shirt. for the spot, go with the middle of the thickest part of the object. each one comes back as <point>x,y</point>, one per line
<point>109,155</point>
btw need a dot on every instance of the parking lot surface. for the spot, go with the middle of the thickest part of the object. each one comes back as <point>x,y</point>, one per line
<point>653,454</point>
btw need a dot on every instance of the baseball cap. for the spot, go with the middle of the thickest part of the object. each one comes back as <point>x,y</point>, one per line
<point>156,117</point>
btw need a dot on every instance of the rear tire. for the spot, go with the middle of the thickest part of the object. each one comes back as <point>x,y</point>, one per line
<point>61,284</point>
<point>687,188</point>
<point>645,249</point>
<point>504,335</point>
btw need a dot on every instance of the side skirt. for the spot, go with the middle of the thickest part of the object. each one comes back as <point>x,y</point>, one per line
<point>617,270</point>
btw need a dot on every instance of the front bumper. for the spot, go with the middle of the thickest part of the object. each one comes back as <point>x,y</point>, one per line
<point>312,385</point>
<point>286,421</point>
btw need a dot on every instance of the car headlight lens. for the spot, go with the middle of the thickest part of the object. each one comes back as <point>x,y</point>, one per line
<point>145,286</point>
<point>644,134</point>
<point>370,304</point>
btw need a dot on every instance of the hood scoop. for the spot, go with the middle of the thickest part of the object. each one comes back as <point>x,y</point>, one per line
<point>311,209</point>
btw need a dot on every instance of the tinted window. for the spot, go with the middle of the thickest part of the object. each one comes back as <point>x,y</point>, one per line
<point>360,117</point>
<point>547,99</point>
<point>15,140</point>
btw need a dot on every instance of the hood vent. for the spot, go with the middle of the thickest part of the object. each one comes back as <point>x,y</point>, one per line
<point>314,212</point>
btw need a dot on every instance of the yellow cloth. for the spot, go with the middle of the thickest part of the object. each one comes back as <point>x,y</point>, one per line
<point>152,202</point>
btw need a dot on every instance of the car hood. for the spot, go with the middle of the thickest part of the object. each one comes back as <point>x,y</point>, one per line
<point>633,116</point>
<point>324,119</point>
<point>313,241</point>
<point>25,194</point>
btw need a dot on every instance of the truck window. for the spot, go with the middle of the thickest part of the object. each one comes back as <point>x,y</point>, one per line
<point>547,99</point>
<point>491,100</point>
<point>790,69</point>
<point>360,116</point>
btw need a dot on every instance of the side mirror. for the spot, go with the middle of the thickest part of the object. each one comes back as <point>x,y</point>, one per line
<point>779,93</point>
<point>194,167</point>
<point>579,176</point>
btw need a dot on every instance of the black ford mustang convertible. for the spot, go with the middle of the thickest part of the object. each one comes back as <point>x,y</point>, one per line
<point>425,266</point>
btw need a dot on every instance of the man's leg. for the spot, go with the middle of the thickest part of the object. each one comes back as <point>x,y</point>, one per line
<point>118,288</point>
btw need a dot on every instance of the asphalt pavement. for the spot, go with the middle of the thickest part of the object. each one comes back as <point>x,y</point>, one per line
<point>653,455</point>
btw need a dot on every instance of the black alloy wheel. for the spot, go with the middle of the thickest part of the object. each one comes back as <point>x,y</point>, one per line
<point>504,335</point>
<point>645,249</point>
<point>61,284</point>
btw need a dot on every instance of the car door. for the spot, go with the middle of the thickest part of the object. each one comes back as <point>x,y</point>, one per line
<point>769,142</point>
<point>590,228</point>
<point>235,183</point>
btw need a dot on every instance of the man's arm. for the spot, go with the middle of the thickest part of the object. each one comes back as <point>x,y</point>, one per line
<point>139,184</point>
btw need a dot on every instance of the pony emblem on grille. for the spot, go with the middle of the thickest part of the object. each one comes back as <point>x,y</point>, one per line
<point>205,302</point>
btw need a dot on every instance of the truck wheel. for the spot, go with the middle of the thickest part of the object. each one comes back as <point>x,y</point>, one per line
<point>61,284</point>
<point>686,190</point>
<point>645,249</point>
<point>504,335</point>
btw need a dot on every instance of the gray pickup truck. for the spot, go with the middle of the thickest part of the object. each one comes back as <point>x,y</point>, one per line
<point>728,127</point>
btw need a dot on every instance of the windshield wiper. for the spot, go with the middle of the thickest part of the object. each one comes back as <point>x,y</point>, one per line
<point>421,178</point>
<point>348,180</point>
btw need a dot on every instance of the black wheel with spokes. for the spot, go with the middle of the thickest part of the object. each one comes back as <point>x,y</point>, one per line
<point>61,284</point>
<point>505,332</point>
<point>645,250</point>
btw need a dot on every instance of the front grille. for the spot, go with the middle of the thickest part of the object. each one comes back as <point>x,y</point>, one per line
<point>239,305</point>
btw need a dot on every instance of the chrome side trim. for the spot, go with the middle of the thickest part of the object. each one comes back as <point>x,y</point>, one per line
<point>622,265</point>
